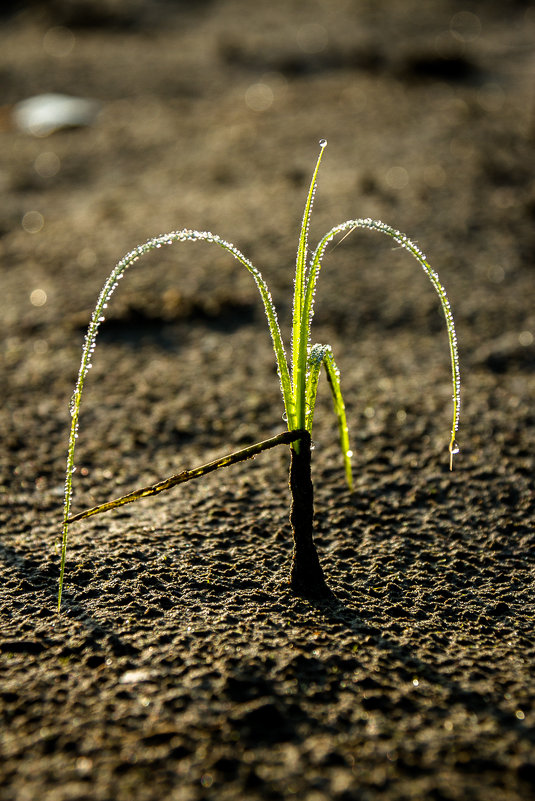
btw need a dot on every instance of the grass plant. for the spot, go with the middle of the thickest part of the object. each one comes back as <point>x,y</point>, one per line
<point>298,381</point>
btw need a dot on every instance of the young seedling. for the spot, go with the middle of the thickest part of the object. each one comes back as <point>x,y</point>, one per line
<point>298,383</point>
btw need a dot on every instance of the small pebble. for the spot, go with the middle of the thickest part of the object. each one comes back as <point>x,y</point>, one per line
<point>44,114</point>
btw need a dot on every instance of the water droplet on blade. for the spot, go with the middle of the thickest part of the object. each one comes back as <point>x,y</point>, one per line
<point>323,143</point>
<point>454,449</point>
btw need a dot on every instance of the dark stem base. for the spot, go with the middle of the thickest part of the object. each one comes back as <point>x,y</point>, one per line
<point>306,577</point>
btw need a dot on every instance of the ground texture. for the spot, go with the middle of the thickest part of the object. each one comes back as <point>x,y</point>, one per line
<point>181,667</point>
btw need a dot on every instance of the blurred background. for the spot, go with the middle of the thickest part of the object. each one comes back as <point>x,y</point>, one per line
<point>207,115</point>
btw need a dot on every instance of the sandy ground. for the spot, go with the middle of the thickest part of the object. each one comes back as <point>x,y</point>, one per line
<point>181,667</point>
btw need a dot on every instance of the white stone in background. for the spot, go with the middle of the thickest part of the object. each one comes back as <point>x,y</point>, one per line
<point>43,114</point>
<point>135,676</point>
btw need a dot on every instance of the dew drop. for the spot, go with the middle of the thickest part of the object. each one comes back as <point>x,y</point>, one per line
<point>349,454</point>
<point>323,143</point>
<point>285,417</point>
<point>454,448</point>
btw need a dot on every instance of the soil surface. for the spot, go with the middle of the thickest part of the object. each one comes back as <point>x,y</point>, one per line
<point>181,667</point>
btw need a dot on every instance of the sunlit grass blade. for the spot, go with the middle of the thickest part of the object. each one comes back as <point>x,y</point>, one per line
<point>300,331</point>
<point>98,316</point>
<point>315,359</point>
<point>406,243</point>
<point>333,376</point>
<point>323,354</point>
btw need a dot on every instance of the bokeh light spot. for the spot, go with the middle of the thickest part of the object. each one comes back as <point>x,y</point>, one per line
<point>47,164</point>
<point>259,97</point>
<point>58,42</point>
<point>397,177</point>
<point>33,222</point>
<point>38,297</point>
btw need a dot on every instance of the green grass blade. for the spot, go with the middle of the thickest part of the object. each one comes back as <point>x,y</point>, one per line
<point>315,360</point>
<point>333,375</point>
<point>98,317</point>
<point>300,324</point>
<point>402,240</point>
<point>322,354</point>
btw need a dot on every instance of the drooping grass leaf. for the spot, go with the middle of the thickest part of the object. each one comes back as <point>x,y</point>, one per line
<point>406,243</point>
<point>98,317</point>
